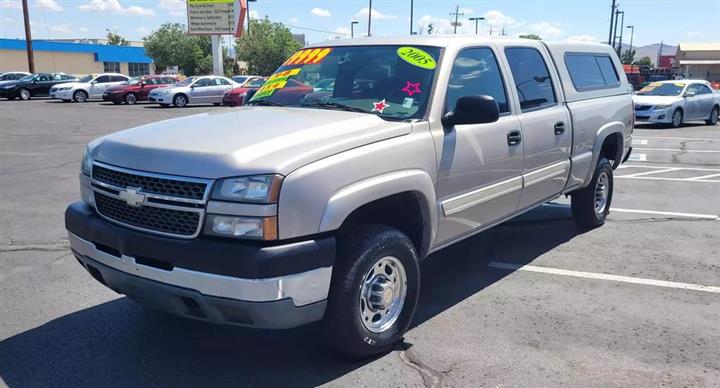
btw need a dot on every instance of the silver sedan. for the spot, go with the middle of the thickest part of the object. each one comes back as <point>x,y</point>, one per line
<point>193,90</point>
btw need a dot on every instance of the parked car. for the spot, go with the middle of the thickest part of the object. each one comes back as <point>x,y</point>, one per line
<point>193,90</point>
<point>137,89</point>
<point>677,102</point>
<point>89,87</point>
<point>13,75</point>
<point>243,79</point>
<point>235,96</point>
<point>33,85</point>
<point>275,216</point>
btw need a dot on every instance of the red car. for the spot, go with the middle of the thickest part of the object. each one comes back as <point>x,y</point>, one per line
<point>234,97</point>
<point>137,89</point>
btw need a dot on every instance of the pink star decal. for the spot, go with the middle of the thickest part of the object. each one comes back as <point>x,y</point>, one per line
<point>380,106</point>
<point>411,88</point>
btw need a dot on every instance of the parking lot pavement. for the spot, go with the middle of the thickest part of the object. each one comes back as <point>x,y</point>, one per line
<point>533,302</point>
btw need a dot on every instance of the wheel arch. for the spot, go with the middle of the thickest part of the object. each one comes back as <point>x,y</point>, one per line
<point>610,143</point>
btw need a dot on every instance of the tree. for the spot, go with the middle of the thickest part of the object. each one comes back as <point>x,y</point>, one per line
<point>171,45</point>
<point>628,57</point>
<point>266,47</point>
<point>116,39</point>
<point>530,36</point>
<point>644,61</point>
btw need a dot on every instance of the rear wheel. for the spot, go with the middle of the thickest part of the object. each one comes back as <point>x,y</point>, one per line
<point>24,94</point>
<point>131,99</point>
<point>374,291</point>
<point>591,205</point>
<point>713,120</point>
<point>180,101</point>
<point>677,118</point>
<point>80,96</point>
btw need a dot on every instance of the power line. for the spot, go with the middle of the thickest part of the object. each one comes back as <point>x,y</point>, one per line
<point>290,26</point>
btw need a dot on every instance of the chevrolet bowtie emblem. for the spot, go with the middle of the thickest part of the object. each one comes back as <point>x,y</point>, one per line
<point>132,196</point>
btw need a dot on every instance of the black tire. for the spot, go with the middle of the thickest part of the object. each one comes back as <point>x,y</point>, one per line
<point>674,121</point>
<point>180,101</point>
<point>116,102</point>
<point>584,205</point>
<point>358,253</point>
<point>24,94</point>
<point>131,99</point>
<point>80,96</point>
<point>713,120</point>
<point>217,103</point>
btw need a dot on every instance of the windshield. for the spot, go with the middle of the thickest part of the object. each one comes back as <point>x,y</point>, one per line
<point>87,78</point>
<point>28,77</point>
<point>134,81</point>
<point>240,79</point>
<point>391,81</point>
<point>662,89</point>
<point>186,81</point>
<point>256,83</point>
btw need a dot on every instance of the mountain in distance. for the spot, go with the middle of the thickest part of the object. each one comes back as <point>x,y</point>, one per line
<point>651,50</point>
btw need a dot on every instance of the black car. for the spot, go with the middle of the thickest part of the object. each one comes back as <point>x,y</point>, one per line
<point>33,85</point>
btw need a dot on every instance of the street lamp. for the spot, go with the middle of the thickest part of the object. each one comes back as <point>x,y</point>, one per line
<point>369,17</point>
<point>622,23</point>
<point>632,32</point>
<point>352,28</point>
<point>412,7</point>
<point>476,20</point>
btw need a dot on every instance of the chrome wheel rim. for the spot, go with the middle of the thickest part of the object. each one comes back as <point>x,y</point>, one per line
<point>180,101</point>
<point>714,116</point>
<point>80,97</point>
<point>382,294</point>
<point>602,191</point>
<point>24,94</point>
<point>677,118</point>
<point>130,99</point>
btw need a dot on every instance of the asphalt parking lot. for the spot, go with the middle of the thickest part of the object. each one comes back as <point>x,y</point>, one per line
<point>533,302</point>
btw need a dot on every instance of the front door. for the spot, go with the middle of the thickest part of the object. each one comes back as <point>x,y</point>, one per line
<point>202,90</point>
<point>479,174</point>
<point>546,126</point>
<point>693,102</point>
<point>98,86</point>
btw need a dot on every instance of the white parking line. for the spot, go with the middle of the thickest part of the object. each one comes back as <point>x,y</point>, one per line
<point>675,150</point>
<point>653,178</point>
<point>640,142</point>
<point>649,172</point>
<point>664,167</point>
<point>661,213</point>
<point>704,177</point>
<point>637,157</point>
<point>675,138</point>
<point>602,276</point>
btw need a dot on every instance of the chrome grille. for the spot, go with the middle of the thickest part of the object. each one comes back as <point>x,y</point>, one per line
<point>170,221</point>
<point>643,107</point>
<point>150,184</point>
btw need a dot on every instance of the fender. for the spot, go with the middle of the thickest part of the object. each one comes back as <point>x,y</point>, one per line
<point>348,199</point>
<point>602,134</point>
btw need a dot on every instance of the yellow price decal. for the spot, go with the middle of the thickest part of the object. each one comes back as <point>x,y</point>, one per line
<point>284,74</point>
<point>680,85</point>
<point>308,57</point>
<point>417,57</point>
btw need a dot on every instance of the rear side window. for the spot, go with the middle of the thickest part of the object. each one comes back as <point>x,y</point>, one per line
<point>591,71</point>
<point>532,78</point>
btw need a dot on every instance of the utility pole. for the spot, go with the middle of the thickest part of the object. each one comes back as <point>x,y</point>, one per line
<point>476,20</point>
<point>622,27</point>
<point>612,15</point>
<point>28,37</point>
<point>617,12</point>
<point>412,7</point>
<point>369,17</point>
<point>352,28</point>
<point>457,13</point>
<point>632,33</point>
<point>503,32</point>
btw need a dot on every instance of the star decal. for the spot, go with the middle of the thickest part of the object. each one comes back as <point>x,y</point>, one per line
<point>412,88</point>
<point>380,106</point>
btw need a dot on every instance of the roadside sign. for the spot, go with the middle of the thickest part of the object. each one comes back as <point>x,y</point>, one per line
<point>216,17</point>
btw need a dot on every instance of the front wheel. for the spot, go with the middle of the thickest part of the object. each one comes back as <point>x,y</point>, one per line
<point>374,291</point>
<point>591,205</point>
<point>80,96</point>
<point>131,99</point>
<point>24,94</point>
<point>677,118</point>
<point>713,120</point>
<point>180,101</point>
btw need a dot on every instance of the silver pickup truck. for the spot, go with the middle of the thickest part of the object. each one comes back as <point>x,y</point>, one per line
<point>320,202</point>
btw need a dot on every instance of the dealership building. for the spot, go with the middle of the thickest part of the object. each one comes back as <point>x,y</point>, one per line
<point>699,60</point>
<point>75,57</point>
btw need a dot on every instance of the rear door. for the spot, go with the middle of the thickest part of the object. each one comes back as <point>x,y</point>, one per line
<point>221,86</point>
<point>707,100</point>
<point>42,85</point>
<point>545,123</point>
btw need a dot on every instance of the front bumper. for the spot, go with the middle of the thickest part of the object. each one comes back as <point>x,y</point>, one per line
<point>8,93</point>
<point>655,116</point>
<point>62,94</point>
<point>161,99</point>
<point>233,99</point>
<point>216,280</point>
<point>114,97</point>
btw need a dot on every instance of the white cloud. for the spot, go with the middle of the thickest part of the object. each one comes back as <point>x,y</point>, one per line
<point>51,5</point>
<point>467,11</point>
<point>84,30</point>
<point>582,38</point>
<point>694,33</point>
<point>439,26</point>
<point>114,7</point>
<point>294,21</point>
<point>546,30</point>
<point>10,4</point>
<point>63,29</point>
<point>323,13</point>
<point>340,33</point>
<point>498,20</point>
<point>142,31</point>
<point>174,7</point>
<point>376,15</point>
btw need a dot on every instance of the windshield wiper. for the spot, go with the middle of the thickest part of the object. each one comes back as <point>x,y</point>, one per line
<point>335,105</point>
<point>265,103</point>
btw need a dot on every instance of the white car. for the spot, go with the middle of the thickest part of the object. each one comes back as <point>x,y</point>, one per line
<point>677,102</point>
<point>89,87</point>
<point>207,89</point>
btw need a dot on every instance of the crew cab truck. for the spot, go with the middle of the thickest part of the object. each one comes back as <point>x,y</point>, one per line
<point>300,208</point>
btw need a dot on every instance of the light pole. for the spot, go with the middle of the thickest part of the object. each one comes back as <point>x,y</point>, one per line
<point>622,26</point>
<point>369,17</point>
<point>476,20</point>
<point>612,21</point>
<point>412,8</point>
<point>632,33</point>
<point>614,38</point>
<point>352,28</point>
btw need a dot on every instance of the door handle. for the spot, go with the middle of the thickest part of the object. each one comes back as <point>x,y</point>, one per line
<point>514,137</point>
<point>559,128</point>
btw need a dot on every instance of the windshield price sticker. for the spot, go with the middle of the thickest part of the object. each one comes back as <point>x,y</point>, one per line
<point>308,57</point>
<point>275,82</point>
<point>417,57</point>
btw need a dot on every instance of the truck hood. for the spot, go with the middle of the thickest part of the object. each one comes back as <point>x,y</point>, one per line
<point>244,141</point>
<point>655,100</point>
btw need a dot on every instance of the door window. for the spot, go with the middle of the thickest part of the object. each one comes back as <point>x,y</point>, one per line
<point>476,72</point>
<point>117,78</point>
<point>532,78</point>
<point>204,82</point>
<point>44,78</point>
<point>102,79</point>
<point>703,89</point>
<point>221,82</point>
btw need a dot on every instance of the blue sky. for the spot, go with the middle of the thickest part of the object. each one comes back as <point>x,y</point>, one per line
<point>655,20</point>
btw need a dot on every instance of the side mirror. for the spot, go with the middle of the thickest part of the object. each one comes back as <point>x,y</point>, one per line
<point>690,93</point>
<point>93,82</point>
<point>249,95</point>
<point>472,110</point>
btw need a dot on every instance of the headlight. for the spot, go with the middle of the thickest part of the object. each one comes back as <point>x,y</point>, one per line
<point>665,106</point>
<point>264,228</point>
<point>86,166</point>
<point>8,86</point>
<point>254,189</point>
<point>163,92</point>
